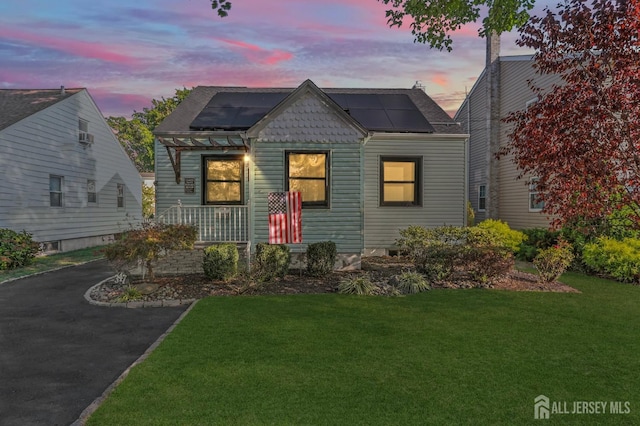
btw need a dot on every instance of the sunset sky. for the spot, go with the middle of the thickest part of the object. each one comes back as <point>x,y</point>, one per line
<point>129,52</point>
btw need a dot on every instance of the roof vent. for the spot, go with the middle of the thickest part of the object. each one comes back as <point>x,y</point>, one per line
<point>62,91</point>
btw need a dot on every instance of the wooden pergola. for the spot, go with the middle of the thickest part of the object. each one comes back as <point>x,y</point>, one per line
<point>219,141</point>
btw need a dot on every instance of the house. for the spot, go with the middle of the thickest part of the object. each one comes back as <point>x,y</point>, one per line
<point>501,88</point>
<point>66,179</point>
<point>368,163</point>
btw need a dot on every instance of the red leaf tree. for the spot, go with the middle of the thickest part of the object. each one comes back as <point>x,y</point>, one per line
<point>581,140</point>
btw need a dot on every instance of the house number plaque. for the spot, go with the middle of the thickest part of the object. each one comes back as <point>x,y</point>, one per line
<point>189,185</point>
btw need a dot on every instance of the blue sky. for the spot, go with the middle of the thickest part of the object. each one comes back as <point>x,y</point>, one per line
<point>129,52</point>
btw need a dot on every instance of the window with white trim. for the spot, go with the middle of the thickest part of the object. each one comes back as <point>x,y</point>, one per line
<point>482,198</point>
<point>535,205</point>
<point>120,195</point>
<point>55,191</point>
<point>91,191</point>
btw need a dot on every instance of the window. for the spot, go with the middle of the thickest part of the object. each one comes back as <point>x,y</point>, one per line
<point>308,173</point>
<point>400,181</point>
<point>84,137</point>
<point>55,191</point>
<point>224,180</point>
<point>120,195</point>
<point>91,191</point>
<point>534,204</point>
<point>482,198</point>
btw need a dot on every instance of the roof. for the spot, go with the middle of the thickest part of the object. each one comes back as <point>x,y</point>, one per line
<point>18,104</point>
<point>202,105</point>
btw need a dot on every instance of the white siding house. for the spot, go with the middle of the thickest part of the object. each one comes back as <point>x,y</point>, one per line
<point>368,163</point>
<point>65,177</point>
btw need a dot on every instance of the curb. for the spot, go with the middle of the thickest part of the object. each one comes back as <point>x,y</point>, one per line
<point>136,304</point>
<point>87,412</point>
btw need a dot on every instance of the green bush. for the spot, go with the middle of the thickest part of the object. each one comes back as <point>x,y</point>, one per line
<point>536,239</point>
<point>618,259</point>
<point>553,261</point>
<point>149,243</point>
<point>130,294</point>
<point>321,257</point>
<point>360,285</point>
<point>17,249</point>
<point>220,261</point>
<point>438,252</point>
<point>411,283</point>
<point>272,261</point>
<point>508,237</point>
<point>433,251</point>
<point>471,215</point>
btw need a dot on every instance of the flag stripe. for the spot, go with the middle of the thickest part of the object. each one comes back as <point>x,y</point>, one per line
<point>285,217</point>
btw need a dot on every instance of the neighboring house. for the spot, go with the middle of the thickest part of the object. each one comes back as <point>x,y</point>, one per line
<point>502,88</point>
<point>368,162</point>
<point>66,179</point>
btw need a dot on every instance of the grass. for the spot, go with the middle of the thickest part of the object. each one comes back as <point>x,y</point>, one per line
<point>442,357</point>
<point>54,261</point>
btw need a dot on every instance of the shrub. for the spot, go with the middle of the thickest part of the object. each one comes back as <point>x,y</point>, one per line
<point>17,249</point>
<point>129,295</point>
<point>220,261</point>
<point>272,260</point>
<point>433,251</point>
<point>553,261</point>
<point>360,285</point>
<point>321,257</point>
<point>536,239</point>
<point>471,215</point>
<point>438,252</point>
<point>618,259</point>
<point>509,237</point>
<point>149,243</point>
<point>411,283</point>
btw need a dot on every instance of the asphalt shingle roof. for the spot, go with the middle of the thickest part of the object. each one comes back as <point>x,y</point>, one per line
<point>182,117</point>
<point>18,104</point>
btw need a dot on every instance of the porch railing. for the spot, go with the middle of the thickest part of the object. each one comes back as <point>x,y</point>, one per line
<point>214,223</point>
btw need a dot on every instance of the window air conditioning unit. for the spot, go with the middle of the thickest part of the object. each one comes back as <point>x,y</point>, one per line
<point>85,138</point>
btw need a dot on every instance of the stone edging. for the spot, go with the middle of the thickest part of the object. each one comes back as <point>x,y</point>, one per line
<point>135,304</point>
<point>84,416</point>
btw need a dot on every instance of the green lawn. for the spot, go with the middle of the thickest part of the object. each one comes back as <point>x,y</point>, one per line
<point>444,357</point>
<point>54,261</point>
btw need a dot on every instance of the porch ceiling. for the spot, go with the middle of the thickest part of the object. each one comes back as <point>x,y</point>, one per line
<point>175,144</point>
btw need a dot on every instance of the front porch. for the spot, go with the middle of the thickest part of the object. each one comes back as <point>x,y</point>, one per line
<point>215,224</point>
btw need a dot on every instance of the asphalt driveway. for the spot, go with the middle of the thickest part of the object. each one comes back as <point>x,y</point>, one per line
<point>58,353</point>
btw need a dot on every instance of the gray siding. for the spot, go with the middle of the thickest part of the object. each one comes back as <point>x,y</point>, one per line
<point>310,125</point>
<point>473,117</point>
<point>168,192</point>
<point>514,193</point>
<point>45,144</point>
<point>444,186</point>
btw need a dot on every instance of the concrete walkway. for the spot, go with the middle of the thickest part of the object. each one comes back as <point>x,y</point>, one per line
<point>58,353</point>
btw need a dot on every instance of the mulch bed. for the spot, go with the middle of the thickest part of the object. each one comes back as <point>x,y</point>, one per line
<point>379,269</point>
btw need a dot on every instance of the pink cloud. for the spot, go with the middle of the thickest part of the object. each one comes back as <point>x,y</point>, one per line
<point>257,54</point>
<point>440,79</point>
<point>74,47</point>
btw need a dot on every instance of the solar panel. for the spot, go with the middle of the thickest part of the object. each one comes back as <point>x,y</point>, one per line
<point>236,110</point>
<point>382,112</point>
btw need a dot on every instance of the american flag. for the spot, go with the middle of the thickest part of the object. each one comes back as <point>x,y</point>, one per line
<point>285,217</point>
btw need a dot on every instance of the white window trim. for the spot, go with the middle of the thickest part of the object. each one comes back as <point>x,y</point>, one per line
<point>485,198</point>
<point>532,192</point>
<point>61,192</point>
